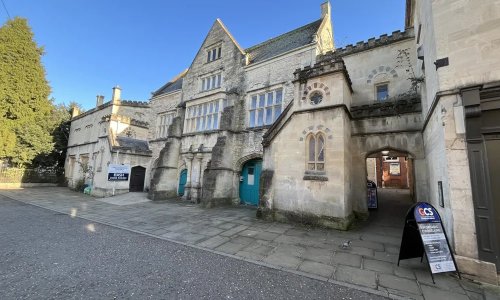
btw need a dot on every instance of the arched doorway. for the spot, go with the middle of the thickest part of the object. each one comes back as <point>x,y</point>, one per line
<point>182,182</point>
<point>137,175</point>
<point>392,172</point>
<point>249,182</point>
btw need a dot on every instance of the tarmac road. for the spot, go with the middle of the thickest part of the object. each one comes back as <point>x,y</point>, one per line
<point>49,255</point>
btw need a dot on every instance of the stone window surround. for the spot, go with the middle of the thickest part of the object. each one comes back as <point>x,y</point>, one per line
<point>211,82</point>
<point>214,52</point>
<point>318,173</point>
<point>71,165</point>
<point>164,121</point>
<point>265,107</point>
<point>196,117</point>
<point>375,87</point>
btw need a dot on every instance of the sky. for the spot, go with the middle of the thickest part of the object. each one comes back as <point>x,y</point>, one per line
<point>92,45</point>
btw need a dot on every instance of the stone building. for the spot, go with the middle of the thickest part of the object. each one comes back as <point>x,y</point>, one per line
<point>114,132</point>
<point>295,126</point>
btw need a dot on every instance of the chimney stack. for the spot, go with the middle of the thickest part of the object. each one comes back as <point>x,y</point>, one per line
<point>75,112</point>
<point>325,9</point>
<point>116,93</point>
<point>100,100</point>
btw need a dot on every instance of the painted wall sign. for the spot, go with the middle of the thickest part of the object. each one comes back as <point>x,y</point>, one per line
<point>118,172</point>
<point>395,169</point>
<point>424,234</point>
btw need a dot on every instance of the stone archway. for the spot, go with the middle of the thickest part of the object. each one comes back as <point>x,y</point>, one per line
<point>242,160</point>
<point>366,144</point>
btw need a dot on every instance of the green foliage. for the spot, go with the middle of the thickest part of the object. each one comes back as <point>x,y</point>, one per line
<point>61,122</point>
<point>26,120</point>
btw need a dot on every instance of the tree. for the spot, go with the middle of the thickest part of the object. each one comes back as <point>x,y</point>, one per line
<point>25,107</point>
<point>61,123</point>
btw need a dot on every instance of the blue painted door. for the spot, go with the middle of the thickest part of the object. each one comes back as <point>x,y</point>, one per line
<point>182,181</point>
<point>249,182</point>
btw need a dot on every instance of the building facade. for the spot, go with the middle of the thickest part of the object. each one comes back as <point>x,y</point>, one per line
<point>295,126</point>
<point>114,132</point>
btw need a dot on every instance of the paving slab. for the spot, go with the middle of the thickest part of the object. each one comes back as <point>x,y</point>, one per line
<point>434,293</point>
<point>317,268</point>
<point>347,259</point>
<point>318,255</point>
<point>287,261</point>
<point>377,265</point>
<point>398,283</point>
<point>213,242</point>
<point>356,276</point>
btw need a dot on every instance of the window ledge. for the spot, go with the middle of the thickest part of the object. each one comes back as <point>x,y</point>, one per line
<point>315,176</point>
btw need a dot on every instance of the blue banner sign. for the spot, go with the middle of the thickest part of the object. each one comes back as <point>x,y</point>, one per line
<point>425,213</point>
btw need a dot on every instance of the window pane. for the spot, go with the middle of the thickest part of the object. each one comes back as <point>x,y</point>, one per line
<point>252,118</point>
<point>219,54</point>
<point>219,80</point>
<point>198,124</point>
<point>209,122</point>
<point>213,81</point>
<point>211,108</point>
<point>198,108</point>
<point>312,148</point>
<point>277,112</point>
<point>208,56</point>
<point>310,166</point>
<point>321,146</point>
<point>216,105</point>
<point>269,99</point>
<point>279,96</point>
<point>216,122</point>
<point>203,84</point>
<point>260,117</point>
<point>205,108</point>
<point>320,167</point>
<point>202,123</point>
<point>269,115</point>
<point>262,99</point>
<point>208,83</point>
<point>254,102</point>
<point>382,92</point>
<point>214,53</point>
<point>224,103</point>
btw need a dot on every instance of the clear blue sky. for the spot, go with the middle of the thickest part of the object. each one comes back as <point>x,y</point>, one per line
<point>93,45</point>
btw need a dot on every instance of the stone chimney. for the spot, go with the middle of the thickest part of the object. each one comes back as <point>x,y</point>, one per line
<point>325,9</point>
<point>117,91</point>
<point>75,112</point>
<point>99,101</point>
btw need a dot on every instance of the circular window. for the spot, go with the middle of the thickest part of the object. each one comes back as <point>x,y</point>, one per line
<point>316,98</point>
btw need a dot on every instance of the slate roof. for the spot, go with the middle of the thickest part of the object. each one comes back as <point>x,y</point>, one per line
<point>133,144</point>
<point>286,42</point>
<point>173,85</point>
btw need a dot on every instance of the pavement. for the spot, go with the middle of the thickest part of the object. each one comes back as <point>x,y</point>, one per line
<point>369,264</point>
<point>49,255</point>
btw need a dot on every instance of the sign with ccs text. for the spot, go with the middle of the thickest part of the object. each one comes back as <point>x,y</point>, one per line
<point>118,172</point>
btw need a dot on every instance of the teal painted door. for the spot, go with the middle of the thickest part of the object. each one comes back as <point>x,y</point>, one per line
<point>182,182</point>
<point>249,182</point>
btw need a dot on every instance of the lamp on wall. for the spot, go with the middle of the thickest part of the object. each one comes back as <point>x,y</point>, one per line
<point>385,152</point>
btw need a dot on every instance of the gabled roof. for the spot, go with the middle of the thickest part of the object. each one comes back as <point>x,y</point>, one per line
<point>286,42</point>
<point>173,85</point>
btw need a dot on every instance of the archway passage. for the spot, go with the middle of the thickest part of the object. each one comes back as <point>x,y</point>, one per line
<point>392,172</point>
<point>249,182</point>
<point>137,175</point>
<point>182,182</point>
